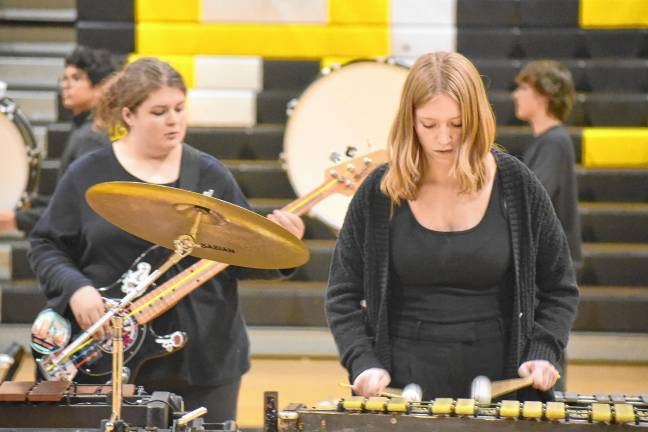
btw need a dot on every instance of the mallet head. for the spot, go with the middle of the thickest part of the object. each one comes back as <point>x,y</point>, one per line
<point>480,390</point>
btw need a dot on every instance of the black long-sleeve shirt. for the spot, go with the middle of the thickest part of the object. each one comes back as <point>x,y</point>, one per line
<point>72,246</point>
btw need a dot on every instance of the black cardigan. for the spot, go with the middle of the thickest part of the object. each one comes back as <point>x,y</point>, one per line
<point>544,284</point>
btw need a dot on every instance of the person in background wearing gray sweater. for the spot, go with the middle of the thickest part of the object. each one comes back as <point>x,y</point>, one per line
<point>544,98</point>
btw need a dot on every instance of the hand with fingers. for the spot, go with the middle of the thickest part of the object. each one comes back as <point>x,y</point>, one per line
<point>87,306</point>
<point>291,222</point>
<point>544,374</point>
<point>371,382</point>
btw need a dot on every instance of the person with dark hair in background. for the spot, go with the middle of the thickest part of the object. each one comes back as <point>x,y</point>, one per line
<point>544,98</point>
<point>451,262</point>
<point>85,71</point>
<point>74,250</point>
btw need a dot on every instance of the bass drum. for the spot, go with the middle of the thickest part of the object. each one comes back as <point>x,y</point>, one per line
<point>350,106</point>
<point>20,161</point>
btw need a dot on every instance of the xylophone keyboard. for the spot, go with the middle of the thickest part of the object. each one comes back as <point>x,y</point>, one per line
<point>568,412</point>
<point>62,404</point>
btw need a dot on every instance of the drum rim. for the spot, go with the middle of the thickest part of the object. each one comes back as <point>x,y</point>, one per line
<point>10,109</point>
<point>335,67</point>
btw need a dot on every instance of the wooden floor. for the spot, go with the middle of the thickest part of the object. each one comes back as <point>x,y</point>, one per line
<point>310,381</point>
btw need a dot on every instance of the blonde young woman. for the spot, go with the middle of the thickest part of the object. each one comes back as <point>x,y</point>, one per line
<point>451,262</point>
<point>74,250</point>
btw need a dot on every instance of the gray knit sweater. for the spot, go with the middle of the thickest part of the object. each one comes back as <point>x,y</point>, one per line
<point>544,284</point>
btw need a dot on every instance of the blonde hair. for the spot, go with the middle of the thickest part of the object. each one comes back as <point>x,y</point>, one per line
<point>433,74</point>
<point>130,87</point>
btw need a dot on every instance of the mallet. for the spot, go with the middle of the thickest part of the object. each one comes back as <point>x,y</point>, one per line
<point>483,390</point>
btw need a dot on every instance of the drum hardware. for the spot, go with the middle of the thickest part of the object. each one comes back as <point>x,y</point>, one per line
<point>351,151</point>
<point>116,423</point>
<point>88,358</point>
<point>335,157</point>
<point>21,160</point>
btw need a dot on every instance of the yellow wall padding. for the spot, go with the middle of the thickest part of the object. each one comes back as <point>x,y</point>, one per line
<point>285,41</point>
<point>184,64</point>
<point>359,11</point>
<point>615,147</point>
<point>162,38</point>
<point>613,13</point>
<point>167,10</point>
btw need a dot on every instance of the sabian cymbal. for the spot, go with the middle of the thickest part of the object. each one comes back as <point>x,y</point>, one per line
<point>224,232</point>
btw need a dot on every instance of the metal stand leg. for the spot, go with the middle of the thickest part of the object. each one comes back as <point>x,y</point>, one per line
<point>116,424</point>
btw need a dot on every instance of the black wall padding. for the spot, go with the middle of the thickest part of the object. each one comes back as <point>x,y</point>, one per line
<point>487,42</point>
<point>549,13</point>
<point>618,185</point>
<point>617,43</point>
<point>498,74</point>
<point>517,13</point>
<point>293,75</point>
<point>113,10</point>
<point>115,36</point>
<point>617,75</point>
<point>258,142</point>
<point>611,311</point>
<point>488,13</point>
<point>549,42</point>
<point>271,105</point>
<point>553,43</point>
<point>615,225</point>
<point>617,109</point>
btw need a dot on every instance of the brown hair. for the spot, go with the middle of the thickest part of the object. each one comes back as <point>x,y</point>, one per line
<point>130,87</point>
<point>433,74</point>
<point>553,80</point>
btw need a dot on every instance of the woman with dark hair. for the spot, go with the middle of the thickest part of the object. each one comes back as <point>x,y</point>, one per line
<point>544,98</point>
<point>451,262</point>
<point>74,250</point>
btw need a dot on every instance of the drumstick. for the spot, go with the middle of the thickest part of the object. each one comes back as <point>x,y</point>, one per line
<point>384,394</point>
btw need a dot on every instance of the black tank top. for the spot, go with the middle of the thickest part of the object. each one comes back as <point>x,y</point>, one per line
<point>449,277</point>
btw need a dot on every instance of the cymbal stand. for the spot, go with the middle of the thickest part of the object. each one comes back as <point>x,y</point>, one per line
<point>116,423</point>
<point>184,245</point>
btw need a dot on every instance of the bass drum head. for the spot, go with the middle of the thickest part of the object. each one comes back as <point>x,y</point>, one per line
<point>14,164</point>
<point>353,106</point>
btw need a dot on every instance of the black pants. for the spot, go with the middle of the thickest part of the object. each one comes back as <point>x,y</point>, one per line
<point>220,400</point>
<point>444,358</point>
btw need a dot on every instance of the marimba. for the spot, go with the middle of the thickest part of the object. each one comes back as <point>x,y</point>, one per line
<point>63,404</point>
<point>569,412</point>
